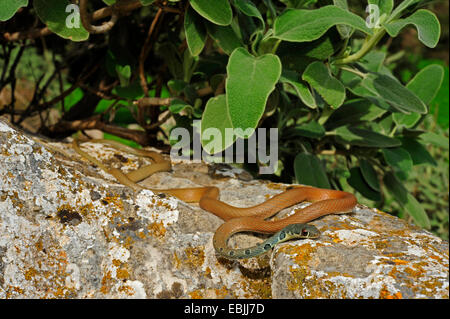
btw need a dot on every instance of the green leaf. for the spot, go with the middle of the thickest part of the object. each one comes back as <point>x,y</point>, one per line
<point>344,30</point>
<point>124,74</point>
<point>406,201</point>
<point>225,37</point>
<point>353,112</point>
<point>369,174</point>
<point>10,7</point>
<point>364,138</point>
<point>307,25</point>
<point>329,88</point>
<point>384,90</point>
<point>427,82</point>
<point>297,56</point>
<point>217,11</point>
<point>177,105</point>
<point>249,83</point>
<point>435,139</point>
<point>427,24</point>
<point>400,8</point>
<point>195,32</point>
<point>425,85</point>
<point>385,6</point>
<point>311,130</point>
<point>417,151</point>
<point>356,180</point>
<point>65,24</point>
<point>216,119</point>
<point>301,89</point>
<point>248,8</point>
<point>147,2</point>
<point>400,160</point>
<point>373,61</point>
<point>130,92</point>
<point>309,171</point>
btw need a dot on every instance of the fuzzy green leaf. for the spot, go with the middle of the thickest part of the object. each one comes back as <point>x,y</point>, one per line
<point>308,25</point>
<point>425,85</point>
<point>353,112</point>
<point>369,174</point>
<point>249,83</point>
<point>224,36</point>
<point>329,88</point>
<point>357,181</point>
<point>426,22</point>
<point>248,8</point>
<point>65,24</point>
<point>406,201</point>
<point>364,138</point>
<point>309,171</point>
<point>291,78</point>
<point>195,32</point>
<point>400,160</point>
<point>10,7</point>
<point>417,151</point>
<point>217,11</point>
<point>215,119</point>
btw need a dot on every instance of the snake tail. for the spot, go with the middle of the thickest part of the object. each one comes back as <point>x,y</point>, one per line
<point>293,231</point>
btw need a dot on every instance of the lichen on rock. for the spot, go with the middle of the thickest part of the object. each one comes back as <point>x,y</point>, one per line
<point>69,230</point>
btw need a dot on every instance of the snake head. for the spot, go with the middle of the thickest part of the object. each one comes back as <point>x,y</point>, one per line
<point>303,231</point>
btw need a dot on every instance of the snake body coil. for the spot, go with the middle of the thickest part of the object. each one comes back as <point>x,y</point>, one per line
<point>237,219</point>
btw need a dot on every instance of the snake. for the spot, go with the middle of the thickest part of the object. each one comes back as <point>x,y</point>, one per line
<point>237,219</point>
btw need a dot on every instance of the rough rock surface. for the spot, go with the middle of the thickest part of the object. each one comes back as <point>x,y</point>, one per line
<point>69,230</point>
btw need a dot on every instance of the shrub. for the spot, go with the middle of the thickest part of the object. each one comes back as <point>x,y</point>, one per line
<point>313,69</point>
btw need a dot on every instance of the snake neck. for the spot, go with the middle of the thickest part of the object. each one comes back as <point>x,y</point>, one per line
<point>223,250</point>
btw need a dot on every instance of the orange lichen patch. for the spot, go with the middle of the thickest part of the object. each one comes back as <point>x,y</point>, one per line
<point>385,294</point>
<point>218,293</point>
<point>301,254</point>
<point>13,291</point>
<point>30,273</point>
<point>258,288</point>
<point>116,262</point>
<point>113,199</point>
<point>312,287</point>
<point>400,261</point>
<point>106,282</point>
<point>195,256</point>
<point>126,290</point>
<point>208,272</point>
<point>177,261</point>
<point>122,273</point>
<point>157,229</point>
<point>196,294</point>
<point>276,186</point>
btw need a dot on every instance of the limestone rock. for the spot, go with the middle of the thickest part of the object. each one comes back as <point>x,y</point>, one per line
<point>69,230</point>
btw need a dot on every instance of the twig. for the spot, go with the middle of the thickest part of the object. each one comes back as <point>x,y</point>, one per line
<point>95,122</point>
<point>86,19</point>
<point>153,101</point>
<point>145,50</point>
<point>161,121</point>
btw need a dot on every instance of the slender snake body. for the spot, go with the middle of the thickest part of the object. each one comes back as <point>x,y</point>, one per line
<point>324,202</point>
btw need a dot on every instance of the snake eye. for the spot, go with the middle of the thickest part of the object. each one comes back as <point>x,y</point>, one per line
<point>305,233</point>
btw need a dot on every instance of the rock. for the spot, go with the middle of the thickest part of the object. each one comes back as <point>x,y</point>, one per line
<point>69,230</point>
